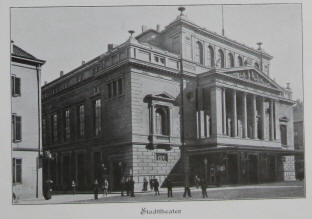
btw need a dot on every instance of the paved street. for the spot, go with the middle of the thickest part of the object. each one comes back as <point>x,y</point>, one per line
<point>272,190</point>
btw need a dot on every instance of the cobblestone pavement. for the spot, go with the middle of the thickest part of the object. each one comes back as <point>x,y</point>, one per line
<point>260,191</point>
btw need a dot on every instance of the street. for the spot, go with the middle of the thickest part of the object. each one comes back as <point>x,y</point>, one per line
<point>260,191</point>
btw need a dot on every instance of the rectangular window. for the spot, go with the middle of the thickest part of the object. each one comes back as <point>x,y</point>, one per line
<point>16,86</point>
<point>17,170</point>
<point>67,124</point>
<point>162,156</point>
<point>114,88</point>
<point>109,90</point>
<point>120,88</point>
<point>17,128</point>
<point>54,128</point>
<point>81,120</point>
<point>97,117</point>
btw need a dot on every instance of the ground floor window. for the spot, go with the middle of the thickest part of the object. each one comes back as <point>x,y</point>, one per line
<point>17,170</point>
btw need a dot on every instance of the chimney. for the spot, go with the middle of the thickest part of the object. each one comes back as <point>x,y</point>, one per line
<point>83,62</point>
<point>158,28</point>
<point>144,28</point>
<point>110,46</point>
<point>61,73</point>
<point>288,86</point>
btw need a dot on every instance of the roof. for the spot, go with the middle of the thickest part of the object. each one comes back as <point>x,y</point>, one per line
<point>19,52</point>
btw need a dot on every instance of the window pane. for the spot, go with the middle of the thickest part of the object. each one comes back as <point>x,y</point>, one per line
<point>18,128</point>
<point>18,170</point>
<point>13,171</point>
<point>17,86</point>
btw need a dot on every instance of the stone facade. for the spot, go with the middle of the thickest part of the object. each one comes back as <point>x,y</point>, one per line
<point>237,121</point>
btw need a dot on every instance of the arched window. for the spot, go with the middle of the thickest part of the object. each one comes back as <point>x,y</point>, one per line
<point>220,60</point>
<point>257,65</point>
<point>211,56</point>
<point>230,60</point>
<point>162,121</point>
<point>240,61</point>
<point>200,52</point>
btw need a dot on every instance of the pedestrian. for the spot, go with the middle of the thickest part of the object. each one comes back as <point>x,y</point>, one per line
<point>128,186</point>
<point>47,190</point>
<point>105,187</point>
<point>151,181</point>
<point>123,185</point>
<point>169,187</point>
<point>74,187</point>
<point>196,181</point>
<point>96,189</point>
<point>145,182</point>
<point>131,184</point>
<point>203,185</point>
<point>156,186</point>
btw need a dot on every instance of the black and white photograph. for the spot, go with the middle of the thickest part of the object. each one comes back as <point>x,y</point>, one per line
<point>191,103</point>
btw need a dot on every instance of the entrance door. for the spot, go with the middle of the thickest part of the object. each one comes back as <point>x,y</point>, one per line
<point>253,169</point>
<point>117,174</point>
<point>232,168</point>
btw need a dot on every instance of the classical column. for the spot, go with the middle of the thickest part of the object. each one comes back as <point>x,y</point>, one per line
<point>234,114</point>
<point>224,110</point>
<point>271,121</point>
<point>263,125</point>
<point>244,101</point>
<point>277,125</point>
<point>216,110</point>
<point>151,114</point>
<point>254,117</point>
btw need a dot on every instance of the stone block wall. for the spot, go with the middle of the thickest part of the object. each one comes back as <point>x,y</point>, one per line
<point>146,164</point>
<point>288,168</point>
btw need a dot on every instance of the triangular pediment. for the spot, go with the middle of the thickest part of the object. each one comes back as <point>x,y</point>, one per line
<point>254,76</point>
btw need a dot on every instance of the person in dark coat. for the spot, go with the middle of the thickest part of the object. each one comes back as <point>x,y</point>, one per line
<point>131,184</point>
<point>47,189</point>
<point>203,186</point>
<point>169,187</point>
<point>151,182</point>
<point>187,190</point>
<point>128,186</point>
<point>96,189</point>
<point>145,182</point>
<point>156,186</point>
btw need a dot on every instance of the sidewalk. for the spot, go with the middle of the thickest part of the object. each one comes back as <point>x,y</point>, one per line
<point>70,198</point>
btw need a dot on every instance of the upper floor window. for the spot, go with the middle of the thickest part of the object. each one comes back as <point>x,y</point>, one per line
<point>115,88</point>
<point>230,60</point>
<point>220,60</point>
<point>16,86</point>
<point>17,128</point>
<point>17,170</point>
<point>162,121</point>
<point>54,128</point>
<point>67,124</point>
<point>97,116</point>
<point>81,122</point>
<point>240,61</point>
<point>200,53</point>
<point>211,56</point>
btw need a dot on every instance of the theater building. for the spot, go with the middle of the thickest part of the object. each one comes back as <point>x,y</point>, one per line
<point>26,123</point>
<point>120,114</point>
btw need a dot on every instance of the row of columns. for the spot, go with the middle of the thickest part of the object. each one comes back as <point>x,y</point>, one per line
<point>273,117</point>
<point>219,114</point>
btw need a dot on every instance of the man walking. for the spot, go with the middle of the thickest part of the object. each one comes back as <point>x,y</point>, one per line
<point>96,189</point>
<point>156,187</point>
<point>169,187</point>
<point>203,186</point>
<point>145,182</point>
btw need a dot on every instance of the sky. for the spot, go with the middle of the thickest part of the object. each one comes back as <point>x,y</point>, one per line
<point>64,36</point>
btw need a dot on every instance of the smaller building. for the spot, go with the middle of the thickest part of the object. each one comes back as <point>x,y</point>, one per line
<point>299,139</point>
<point>26,123</point>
